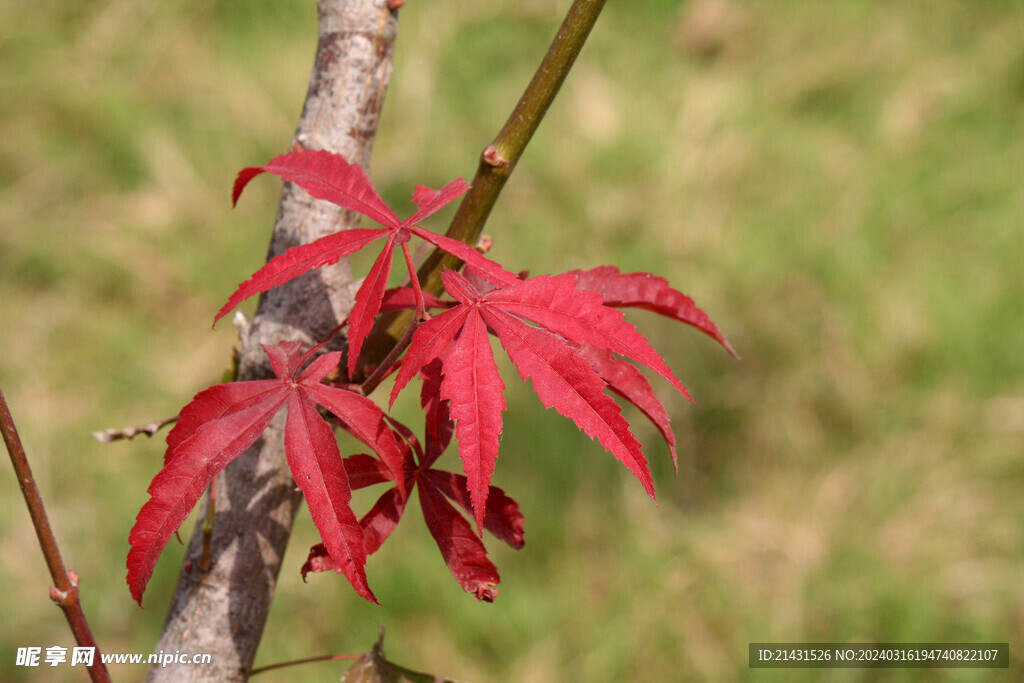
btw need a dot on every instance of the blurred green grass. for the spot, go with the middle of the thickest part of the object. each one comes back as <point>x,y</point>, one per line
<point>837,184</point>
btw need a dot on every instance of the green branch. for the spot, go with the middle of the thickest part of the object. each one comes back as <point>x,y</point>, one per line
<point>496,165</point>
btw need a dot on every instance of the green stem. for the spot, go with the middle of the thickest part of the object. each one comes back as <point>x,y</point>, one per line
<point>65,592</point>
<point>501,156</point>
<point>211,516</point>
<point>496,164</point>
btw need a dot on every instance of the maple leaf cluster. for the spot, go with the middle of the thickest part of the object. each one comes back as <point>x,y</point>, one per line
<point>563,333</point>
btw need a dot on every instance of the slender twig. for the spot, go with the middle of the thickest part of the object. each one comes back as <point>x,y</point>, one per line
<point>108,435</point>
<point>496,164</point>
<point>306,660</point>
<point>65,592</point>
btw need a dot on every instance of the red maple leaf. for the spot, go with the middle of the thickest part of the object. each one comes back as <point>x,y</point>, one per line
<point>573,326</point>
<point>463,551</point>
<point>223,421</point>
<point>329,176</point>
<point>649,292</point>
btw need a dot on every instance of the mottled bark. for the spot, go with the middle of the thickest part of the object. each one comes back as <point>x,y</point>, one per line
<point>223,611</point>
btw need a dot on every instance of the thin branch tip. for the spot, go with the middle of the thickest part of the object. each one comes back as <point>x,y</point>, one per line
<point>149,429</point>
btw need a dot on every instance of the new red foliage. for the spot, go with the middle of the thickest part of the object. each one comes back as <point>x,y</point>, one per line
<point>462,550</point>
<point>570,321</point>
<point>643,290</point>
<point>562,332</point>
<point>329,176</point>
<point>223,421</point>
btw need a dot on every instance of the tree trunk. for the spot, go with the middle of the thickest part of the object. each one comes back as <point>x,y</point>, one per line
<point>222,611</point>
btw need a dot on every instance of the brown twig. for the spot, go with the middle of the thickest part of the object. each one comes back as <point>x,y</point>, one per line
<point>305,660</point>
<point>65,592</point>
<point>108,435</point>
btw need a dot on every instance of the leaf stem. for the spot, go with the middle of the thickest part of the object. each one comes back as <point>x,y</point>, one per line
<point>211,515</point>
<point>381,371</point>
<point>497,162</point>
<point>65,591</point>
<point>421,306</point>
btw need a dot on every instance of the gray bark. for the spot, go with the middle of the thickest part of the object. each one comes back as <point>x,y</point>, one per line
<point>223,611</point>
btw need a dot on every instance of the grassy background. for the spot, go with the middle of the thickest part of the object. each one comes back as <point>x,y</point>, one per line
<point>837,184</point>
